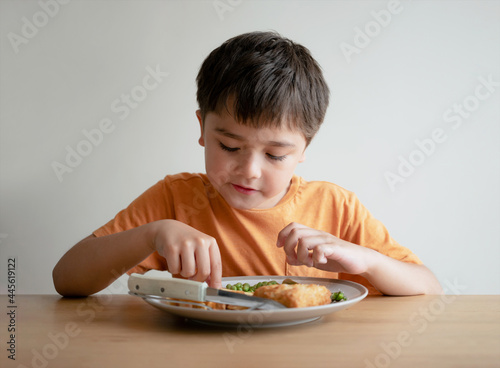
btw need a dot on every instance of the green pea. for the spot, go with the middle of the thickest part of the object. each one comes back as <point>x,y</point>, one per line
<point>338,296</point>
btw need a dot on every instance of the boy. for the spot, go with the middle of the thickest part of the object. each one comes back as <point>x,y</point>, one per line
<point>262,98</point>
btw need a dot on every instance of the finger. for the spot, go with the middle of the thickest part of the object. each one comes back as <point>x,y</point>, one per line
<point>282,235</point>
<point>215,266</point>
<point>173,259</point>
<point>305,244</point>
<point>202,259</point>
<point>321,253</point>
<point>188,263</point>
<point>312,248</point>
<point>285,232</point>
<point>304,256</point>
<point>288,238</point>
<point>296,237</point>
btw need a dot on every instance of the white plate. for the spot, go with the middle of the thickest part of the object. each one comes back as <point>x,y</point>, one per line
<point>354,293</point>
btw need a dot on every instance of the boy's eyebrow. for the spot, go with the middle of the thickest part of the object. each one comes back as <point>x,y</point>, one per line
<point>229,134</point>
<point>241,138</point>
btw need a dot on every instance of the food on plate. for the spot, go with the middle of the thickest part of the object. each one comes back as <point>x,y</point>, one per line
<point>338,296</point>
<point>296,295</point>
<point>212,305</point>
<point>247,287</point>
<point>290,293</point>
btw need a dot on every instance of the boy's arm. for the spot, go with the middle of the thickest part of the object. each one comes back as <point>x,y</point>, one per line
<point>95,262</point>
<point>315,248</point>
<point>393,277</point>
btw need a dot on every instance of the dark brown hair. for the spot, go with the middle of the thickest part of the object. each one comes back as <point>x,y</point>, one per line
<point>269,80</point>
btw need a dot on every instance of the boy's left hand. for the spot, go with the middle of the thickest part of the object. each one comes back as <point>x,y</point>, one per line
<point>314,248</point>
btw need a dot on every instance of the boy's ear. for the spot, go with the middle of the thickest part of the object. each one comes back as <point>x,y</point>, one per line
<point>201,141</point>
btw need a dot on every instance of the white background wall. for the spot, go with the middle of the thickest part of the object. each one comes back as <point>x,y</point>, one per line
<point>61,74</point>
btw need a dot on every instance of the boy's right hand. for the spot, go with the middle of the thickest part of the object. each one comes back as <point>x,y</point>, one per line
<point>188,252</point>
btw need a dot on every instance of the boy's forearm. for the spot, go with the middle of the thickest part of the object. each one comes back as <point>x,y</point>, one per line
<point>392,277</point>
<point>95,262</point>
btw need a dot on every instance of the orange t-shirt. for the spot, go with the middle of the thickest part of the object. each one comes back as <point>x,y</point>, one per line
<point>247,238</point>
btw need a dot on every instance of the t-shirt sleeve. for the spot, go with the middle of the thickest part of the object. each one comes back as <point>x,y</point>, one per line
<point>364,229</point>
<point>153,205</point>
<point>360,227</point>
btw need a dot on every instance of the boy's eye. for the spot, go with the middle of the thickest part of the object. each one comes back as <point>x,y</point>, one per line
<point>234,149</point>
<point>277,158</point>
<point>226,148</point>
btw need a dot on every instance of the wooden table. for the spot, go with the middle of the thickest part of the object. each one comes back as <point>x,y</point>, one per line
<point>124,331</point>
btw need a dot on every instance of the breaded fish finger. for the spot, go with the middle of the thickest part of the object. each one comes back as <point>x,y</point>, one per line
<point>296,296</point>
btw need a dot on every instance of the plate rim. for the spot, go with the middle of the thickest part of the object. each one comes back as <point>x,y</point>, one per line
<point>287,317</point>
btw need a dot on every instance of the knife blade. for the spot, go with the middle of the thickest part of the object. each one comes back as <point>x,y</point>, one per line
<point>176,288</point>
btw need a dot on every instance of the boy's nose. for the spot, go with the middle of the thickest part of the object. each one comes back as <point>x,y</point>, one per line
<point>249,166</point>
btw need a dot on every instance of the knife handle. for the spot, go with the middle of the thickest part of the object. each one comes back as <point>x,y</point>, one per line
<point>169,288</point>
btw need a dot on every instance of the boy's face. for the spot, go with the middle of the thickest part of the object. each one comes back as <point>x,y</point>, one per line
<point>249,167</point>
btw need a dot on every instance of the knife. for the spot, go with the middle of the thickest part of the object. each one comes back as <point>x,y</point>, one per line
<point>176,288</point>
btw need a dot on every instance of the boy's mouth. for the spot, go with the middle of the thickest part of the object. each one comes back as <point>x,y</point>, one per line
<point>244,190</point>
